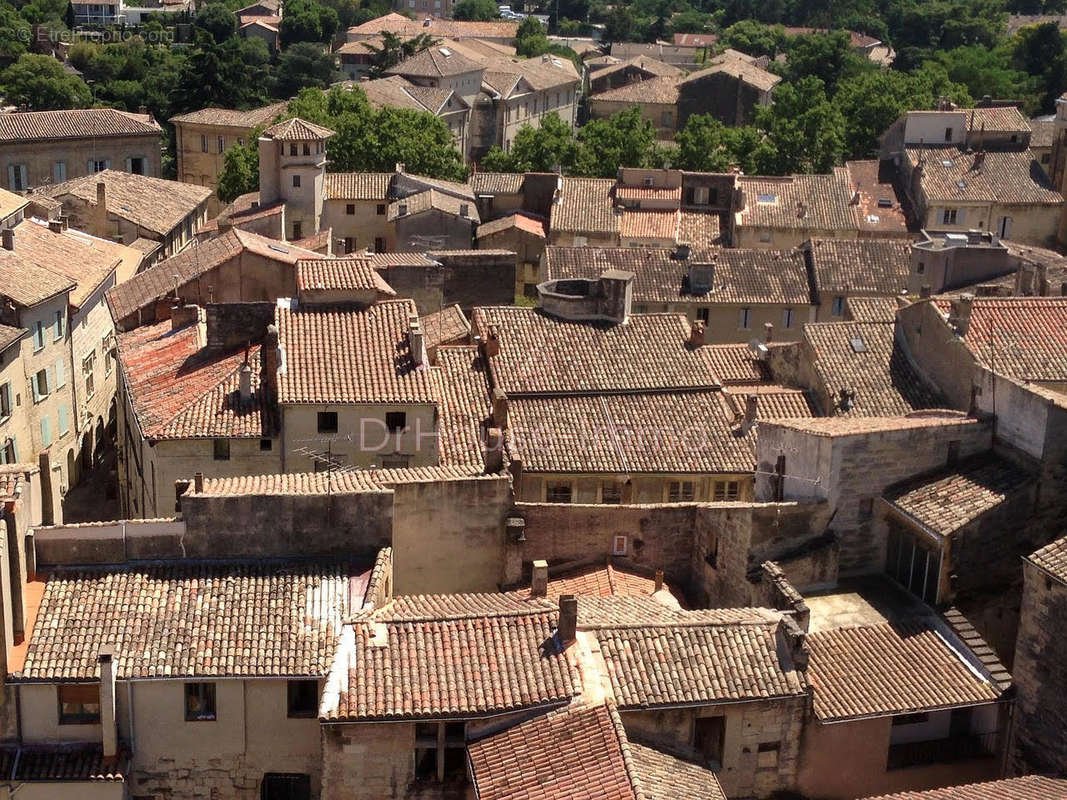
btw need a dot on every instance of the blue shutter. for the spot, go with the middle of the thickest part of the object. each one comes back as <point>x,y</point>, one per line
<point>61,377</point>
<point>46,432</point>
<point>63,427</point>
<point>11,177</point>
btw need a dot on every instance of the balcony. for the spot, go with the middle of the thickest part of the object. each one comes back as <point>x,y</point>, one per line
<point>943,751</point>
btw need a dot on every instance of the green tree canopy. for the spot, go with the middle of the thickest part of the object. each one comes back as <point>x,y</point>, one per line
<point>755,38</point>
<point>623,140</point>
<point>307,21</point>
<point>240,171</point>
<point>39,83</point>
<point>805,130</point>
<point>542,149</point>
<point>217,20</point>
<point>304,64</point>
<point>476,10</point>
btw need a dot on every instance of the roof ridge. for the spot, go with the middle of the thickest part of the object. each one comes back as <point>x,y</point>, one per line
<point>624,750</point>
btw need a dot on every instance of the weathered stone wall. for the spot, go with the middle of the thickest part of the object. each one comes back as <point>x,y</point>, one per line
<point>235,324</point>
<point>367,762</point>
<point>1039,744</point>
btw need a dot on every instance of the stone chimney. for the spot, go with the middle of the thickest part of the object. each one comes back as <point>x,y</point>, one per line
<point>109,732</point>
<point>751,408</point>
<point>659,580</point>
<point>8,238</point>
<point>100,210</point>
<point>183,314</point>
<point>768,332</point>
<point>960,316</point>
<point>539,579</point>
<point>925,291</point>
<point>55,226</point>
<point>696,334</point>
<point>416,341</point>
<point>492,342</point>
<point>500,408</point>
<point>568,619</point>
<point>269,357</point>
<point>246,381</point>
<point>198,482</point>
<point>616,287</point>
<point>494,451</point>
<point>1024,280</point>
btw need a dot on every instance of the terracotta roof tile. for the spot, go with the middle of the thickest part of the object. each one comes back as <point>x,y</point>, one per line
<point>61,763</point>
<point>435,62</point>
<point>154,204</point>
<point>871,309</point>
<point>432,199</point>
<point>630,192</point>
<point>1030,787</point>
<point>521,222</point>
<point>742,71</point>
<point>346,355</point>
<point>949,499</point>
<point>347,481</point>
<point>667,777</point>
<point>1044,131</point>
<point>860,426</point>
<point>357,185</point>
<point>464,404</point>
<point>9,335</point>
<point>735,364</point>
<point>449,326</point>
<point>542,354</point>
<point>859,266</point>
<point>658,666</point>
<point>576,752</point>
<point>180,391</point>
<point>1003,177</point>
<point>885,669</point>
<point>27,283</point>
<point>1053,558</point>
<point>585,206</point>
<point>866,358</point>
<point>775,401</point>
<point>406,27</point>
<point>661,90</point>
<point>76,123</point>
<point>497,182</point>
<point>809,202</point>
<point>186,620</point>
<point>351,274</point>
<point>879,209</point>
<point>656,432</point>
<point>296,129</point>
<point>649,224</point>
<point>602,580</point>
<point>997,119</point>
<point>699,230</point>
<point>232,118</point>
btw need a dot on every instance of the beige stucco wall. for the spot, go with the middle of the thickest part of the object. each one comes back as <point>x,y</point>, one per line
<point>646,488</point>
<point>39,158</point>
<point>195,165</point>
<point>364,225</point>
<point>746,234</point>
<point>1030,224</point>
<point>85,216</point>
<point>723,325</point>
<point>17,425</point>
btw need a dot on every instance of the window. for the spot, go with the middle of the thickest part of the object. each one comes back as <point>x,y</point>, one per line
<point>680,492</point>
<point>59,172</point>
<point>98,165</point>
<point>292,148</point>
<point>8,454</point>
<point>921,269</point>
<point>396,421</point>
<point>767,755</point>
<point>307,148</point>
<point>380,209</point>
<point>5,400</point>
<point>709,734</point>
<point>220,449</point>
<point>431,738</point>
<point>787,318</point>
<point>744,319</point>
<point>765,236</point>
<point>666,119</point>
<point>558,492</point>
<point>64,425</point>
<point>296,181</point>
<point>913,563</point>
<point>611,493</point>
<point>203,143</point>
<point>79,703</point>
<point>704,314</point>
<point>38,335</point>
<point>88,365</point>
<point>266,445</point>
<point>199,702</point>
<point>40,384</point>
<point>284,786</point>
<point>46,432</point>
<point>303,698</point>
<point>58,326</point>
<point>700,196</point>
<point>866,510</point>
<point>727,490</point>
<point>350,209</point>
<point>221,142</point>
<point>60,375</point>
<point>327,421</point>
<point>948,134</point>
<point>298,230</point>
<point>379,244</point>
<point>105,348</point>
<point>949,216</point>
<point>618,545</point>
<point>137,165</point>
<point>350,244</point>
<point>838,307</point>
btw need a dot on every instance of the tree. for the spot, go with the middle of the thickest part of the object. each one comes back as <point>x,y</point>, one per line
<point>307,21</point>
<point>1039,50</point>
<point>702,145</point>
<point>621,25</point>
<point>476,10</point>
<point>304,64</point>
<point>623,140</point>
<point>805,130</point>
<point>543,149</point>
<point>240,170</point>
<point>985,71</point>
<point>754,38</point>
<point>236,74</point>
<point>14,34</point>
<point>217,20</point>
<point>39,83</point>
<point>827,56</point>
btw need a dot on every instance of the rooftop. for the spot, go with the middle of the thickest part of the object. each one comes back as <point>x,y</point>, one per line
<point>1053,559</point>
<point>866,358</point>
<point>80,123</point>
<point>1008,176</point>
<point>9,335</point>
<point>949,499</point>
<point>604,579</point>
<point>464,404</point>
<point>181,390</point>
<point>348,481</point>
<point>436,62</point>
<point>652,66</point>
<point>662,89</point>
<point>190,620</point>
<point>808,202</point>
<point>871,309</point>
<point>521,222</point>
<point>56,763</point>
<point>297,130</point>
<point>432,199</point>
<point>541,354</point>
<point>232,118</point>
<point>447,326</point>
<point>1029,787</point>
<point>448,28</point>
<point>497,182</point>
<point>357,185</point>
<point>997,119</point>
<point>584,205</point>
<point>154,204</point>
<point>346,355</point>
<point>742,70</point>
<point>348,274</point>
<point>735,364</point>
<point>832,427</point>
<point>859,266</point>
<point>26,282</point>
<point>879,209</point>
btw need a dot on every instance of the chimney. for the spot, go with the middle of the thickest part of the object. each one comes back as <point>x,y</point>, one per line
<point>64,220</point>
<point>402,210</point>
<point>682,252</point>
<point>55,225</point>
<point>616,291</point>
<point>960,317</point>
<point>979,160</point>
<point>500,408</point>
<point>183,314</point>
<point>696,334</point>
<point>659,579</point>
<point>464,210</point>
<point>751,407</point>
<point>8,239</point>
<point>416,341</point>
<point>1041,285</point>
<point>246,381</point>
<point>269,357</point>
<point>568,619</point>
<point>492,342</point>
<point>925,291</point>
<point>399,167</point>
<point>494,451</point>
<point>198,482</point>
<point>768,332</point>
<point>1024,280</point>
<point>539,579</point>
<point>109,732</point>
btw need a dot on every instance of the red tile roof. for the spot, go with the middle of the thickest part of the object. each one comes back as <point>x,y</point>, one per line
<point>807,202</point>
<point>347,274</point>
<point>534,227</point>
<point>346,355</point>
<point>1053,559</point>
<point>602,580</point>
<point>1029,787</point>
<point>47,763</point>
<point>649,224</point>
<point>446,327</point>
<point>887,669</point>
<point>464,404</point>
<point>1022,337</point>
<point>585,206</point>
<point>296,129</point>
<point>79,123</point>
<point>232,118</point>
<point>180,390</point>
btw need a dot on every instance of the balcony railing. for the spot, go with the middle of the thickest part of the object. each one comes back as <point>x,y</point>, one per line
<point>943,751</point>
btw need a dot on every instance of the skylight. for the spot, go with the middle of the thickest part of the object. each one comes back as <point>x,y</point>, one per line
<point>946,162</point>
<point>279,248</point>
<point>858,345</point>
<point>766,198</point>
<point>885,202</point>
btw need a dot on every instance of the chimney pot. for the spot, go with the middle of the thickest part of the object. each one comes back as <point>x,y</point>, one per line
<point>696,334</point>
<point>109,732</point>
<point>659,579</point>
<point>101,193</point>
<point>768,332</point>
<point>539,579</point>
<point>269,358</point>
<point>751,408</point>
<point>568,619</point>
<point>246,383</point>
<point>494,451</point>
<point>492,342</point>
<point>181,315</point>
<point>55,226</point>
<point>198,482</point>
<point>500,408</point>
<point>8,238</point>
<point>416,342</point>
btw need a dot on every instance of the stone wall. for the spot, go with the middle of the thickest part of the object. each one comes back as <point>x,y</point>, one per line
<point>367,762</point>
<point>1038,742</point>
<point>107,542</point>
<point>237,324</point>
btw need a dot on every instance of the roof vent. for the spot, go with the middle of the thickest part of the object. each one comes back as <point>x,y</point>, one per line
<point>858,345</point>
<point>402,210</point>
<point>445,52</point>
<point>885,202</point>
